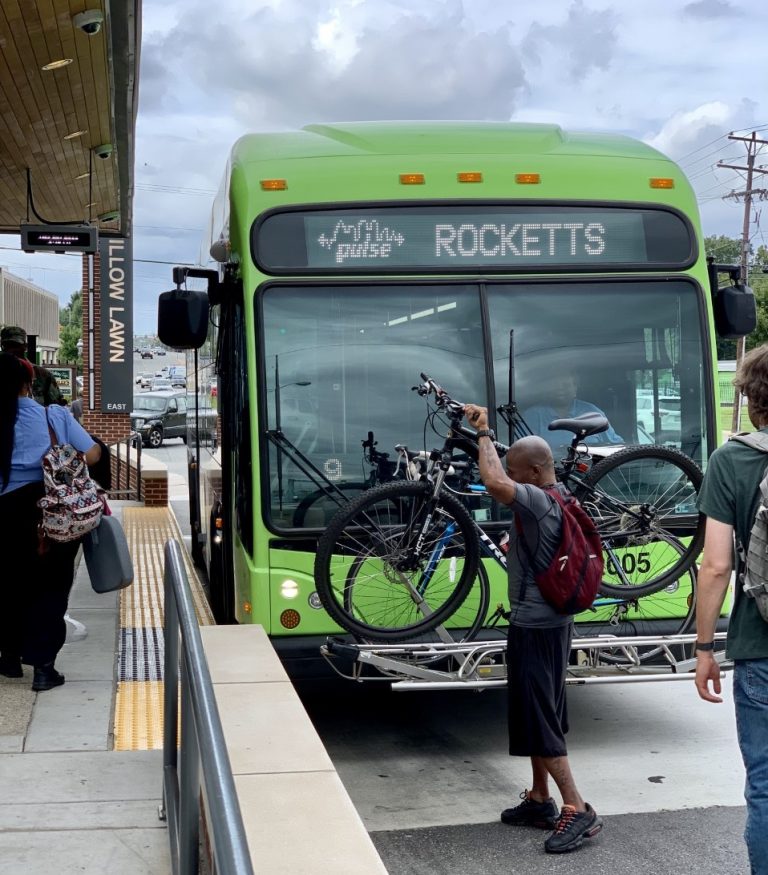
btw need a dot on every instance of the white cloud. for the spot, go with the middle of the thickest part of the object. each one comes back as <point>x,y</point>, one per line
<point>676,75</point>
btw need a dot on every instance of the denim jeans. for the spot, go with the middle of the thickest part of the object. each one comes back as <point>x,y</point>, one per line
<point>750,695</point>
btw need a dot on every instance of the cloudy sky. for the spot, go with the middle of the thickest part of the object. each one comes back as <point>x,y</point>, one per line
<point>679,75</point>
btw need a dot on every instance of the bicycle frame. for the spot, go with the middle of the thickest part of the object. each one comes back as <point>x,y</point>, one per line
<point>493,551</point>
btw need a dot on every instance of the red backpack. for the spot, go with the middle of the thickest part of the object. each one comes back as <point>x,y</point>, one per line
<point>572,579</point>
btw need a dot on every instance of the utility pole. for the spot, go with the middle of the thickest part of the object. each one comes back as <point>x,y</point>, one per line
<point>752,146</point>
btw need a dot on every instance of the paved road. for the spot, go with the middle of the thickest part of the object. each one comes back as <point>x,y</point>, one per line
<point>429,774</point>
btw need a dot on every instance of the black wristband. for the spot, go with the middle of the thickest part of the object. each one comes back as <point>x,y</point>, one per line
<point>486,432</point>
<point>704,645</point>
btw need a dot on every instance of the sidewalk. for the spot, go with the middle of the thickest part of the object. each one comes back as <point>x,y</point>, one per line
<point>69,802</point>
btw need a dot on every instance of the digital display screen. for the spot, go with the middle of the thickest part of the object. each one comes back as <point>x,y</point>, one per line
<point>453,239</point>
<point>58,238</point>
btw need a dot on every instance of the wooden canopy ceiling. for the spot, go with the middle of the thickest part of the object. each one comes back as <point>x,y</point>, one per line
<point>52,122</point>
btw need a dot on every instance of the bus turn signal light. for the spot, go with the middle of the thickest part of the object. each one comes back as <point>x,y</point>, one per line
<point>527,178</point>
<point>412,179</point>
<point>290,619</point>
<point>661,182</point>
<point>469,177</point>
<point>274,184</point>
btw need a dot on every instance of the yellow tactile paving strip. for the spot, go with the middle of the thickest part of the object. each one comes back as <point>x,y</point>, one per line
<point>139,715</point>
<point>139,701</point>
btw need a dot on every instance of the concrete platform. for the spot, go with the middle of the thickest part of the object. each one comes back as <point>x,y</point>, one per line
<point>68,801</point>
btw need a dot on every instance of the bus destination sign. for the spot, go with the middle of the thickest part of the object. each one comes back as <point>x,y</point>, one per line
<point>405,239</point>
<point>59,238</point>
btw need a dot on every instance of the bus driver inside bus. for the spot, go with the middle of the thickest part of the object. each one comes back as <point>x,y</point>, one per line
<point>559,401</point>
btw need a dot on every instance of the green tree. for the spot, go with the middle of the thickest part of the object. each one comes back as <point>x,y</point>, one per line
<point>70,329</point>
<point>727,250</point>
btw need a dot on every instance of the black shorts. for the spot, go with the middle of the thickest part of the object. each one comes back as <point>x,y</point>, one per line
<point>537,661</point>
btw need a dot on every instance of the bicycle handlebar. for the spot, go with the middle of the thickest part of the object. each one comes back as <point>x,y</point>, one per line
<point>454,409</point>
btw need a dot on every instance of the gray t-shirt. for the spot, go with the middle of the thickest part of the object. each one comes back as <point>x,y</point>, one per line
<point>541,521</point>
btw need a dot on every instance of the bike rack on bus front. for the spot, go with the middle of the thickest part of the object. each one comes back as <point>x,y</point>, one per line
<point>480,665</point>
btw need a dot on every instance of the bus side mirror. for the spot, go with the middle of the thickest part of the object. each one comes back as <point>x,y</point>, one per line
<point>735,311</point>
<point>182,318</point>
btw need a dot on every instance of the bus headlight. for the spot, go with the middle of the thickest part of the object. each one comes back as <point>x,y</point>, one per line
<point>289,589</point>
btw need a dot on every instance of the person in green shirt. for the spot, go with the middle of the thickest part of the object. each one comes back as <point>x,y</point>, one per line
<point>45,389</point>
<point>728,499</point>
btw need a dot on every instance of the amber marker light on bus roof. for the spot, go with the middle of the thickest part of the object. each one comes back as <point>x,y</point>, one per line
<point>290,619</point>
<point>247,607</point>
<point>412,179</point>
<point>470,177</point>
<point>661,182</point>
<point>274,184</point>
<point>527,178</point>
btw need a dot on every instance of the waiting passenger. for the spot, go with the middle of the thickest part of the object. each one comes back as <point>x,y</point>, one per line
<point>35,585</point>
<point>560,402</point>
<point>45,389</point>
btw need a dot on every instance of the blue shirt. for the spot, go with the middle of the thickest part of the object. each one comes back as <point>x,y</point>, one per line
<point>539,417</point>
<point>31,440</point>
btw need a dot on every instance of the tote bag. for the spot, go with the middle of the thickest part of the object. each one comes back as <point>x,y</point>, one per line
<point>107,556</point>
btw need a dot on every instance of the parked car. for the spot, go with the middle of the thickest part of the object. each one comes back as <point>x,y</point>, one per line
<point>178,376</point>
<point>669,412</point>
<point>158,415</point>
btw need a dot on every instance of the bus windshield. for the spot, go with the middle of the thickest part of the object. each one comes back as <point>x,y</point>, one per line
<point>339,361</point>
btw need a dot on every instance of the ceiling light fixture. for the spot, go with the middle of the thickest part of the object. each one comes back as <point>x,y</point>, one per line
<point>84,175</point>
<point>55,65</point>
<point>75,134</point>
<point>109,216</point>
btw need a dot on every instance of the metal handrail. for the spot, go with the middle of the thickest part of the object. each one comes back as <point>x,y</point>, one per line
<point>202,742</point>
<point>131,441</point>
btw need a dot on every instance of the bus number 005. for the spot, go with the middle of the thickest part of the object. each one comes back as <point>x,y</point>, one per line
<point>630,563</point>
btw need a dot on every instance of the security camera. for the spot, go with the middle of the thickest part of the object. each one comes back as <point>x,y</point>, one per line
<point>103,151</point>
<point>89,21</point>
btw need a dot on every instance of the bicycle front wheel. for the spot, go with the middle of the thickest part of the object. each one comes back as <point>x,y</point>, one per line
<point>643,502</point>
<point>396,562</point>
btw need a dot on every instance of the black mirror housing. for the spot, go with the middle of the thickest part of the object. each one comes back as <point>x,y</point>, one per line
<point>182,318</point>
<point>735,311</point>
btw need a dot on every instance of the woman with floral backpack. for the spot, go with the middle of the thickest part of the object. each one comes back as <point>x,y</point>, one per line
<point>35,583</point>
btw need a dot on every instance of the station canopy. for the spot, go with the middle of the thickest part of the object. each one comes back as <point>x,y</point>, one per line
<point>68,101</point>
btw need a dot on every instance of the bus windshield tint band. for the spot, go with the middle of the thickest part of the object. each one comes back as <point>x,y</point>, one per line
<point>455,238</point>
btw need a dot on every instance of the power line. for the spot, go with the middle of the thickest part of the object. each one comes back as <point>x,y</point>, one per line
<point>706,145</point>
<point>753,147</point>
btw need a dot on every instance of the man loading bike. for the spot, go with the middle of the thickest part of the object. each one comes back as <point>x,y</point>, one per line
<point>539,639</point>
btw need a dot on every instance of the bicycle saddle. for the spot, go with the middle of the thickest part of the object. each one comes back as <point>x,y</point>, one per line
<point>582,426</point>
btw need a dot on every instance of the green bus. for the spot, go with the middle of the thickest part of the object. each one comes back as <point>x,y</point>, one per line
<point>343,260</point>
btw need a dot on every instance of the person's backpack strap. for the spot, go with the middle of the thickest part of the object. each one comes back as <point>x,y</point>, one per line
<point>758,440</point>
<point>524,544</point>
<point>51,430</point>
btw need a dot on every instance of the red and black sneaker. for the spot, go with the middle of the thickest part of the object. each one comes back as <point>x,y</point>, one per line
<point>531,813</point>
<point>572,829</point>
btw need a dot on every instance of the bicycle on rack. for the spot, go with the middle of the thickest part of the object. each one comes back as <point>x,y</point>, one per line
<point>326,500</point>
<point>400,560</point>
